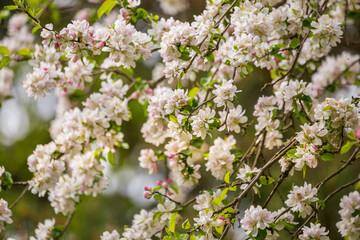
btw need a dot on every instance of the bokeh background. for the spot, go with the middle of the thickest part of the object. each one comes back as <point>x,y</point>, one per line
<point>24,123</point>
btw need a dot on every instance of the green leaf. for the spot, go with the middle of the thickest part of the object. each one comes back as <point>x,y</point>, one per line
<point>262,233</point>
<point>56,232</point>
<point>219,229</point>
<point>291,153</point>
<point>172,222</point>
<point>327,157</point>
<point>351,135</point>
<point>4,62</point>
<point>216,201</point>
<point>157,215</point>
<point>106,7</point>
<point>175,189</point>
<point>156,188</point>
<point>192,93</point>
<point>172,118</point>
<point>4,50</point>
<point>185,56</point>
<point>346,147</point>
<point>35,29</point>
<point>11,7</point>
<point>227,177</point>
<point>295,43</point>
<point>210,56</point>
<point>186,224</point>
<point>25,52</point>
<point>195,48</point>
<point>38,11</point>
<point>321,203</point>
<point>265,180</point>
<point>179,85</point>
<point>111,158</point>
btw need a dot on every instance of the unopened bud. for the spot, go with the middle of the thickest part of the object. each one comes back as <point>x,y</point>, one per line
<point>147,195</point>
<point>158,182</point>
<point>357,133</point>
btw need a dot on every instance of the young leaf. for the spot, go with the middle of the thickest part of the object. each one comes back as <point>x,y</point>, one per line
<point>11,7</point>
<point>172,222</point>
<point>186,224</point>
<point>111,157</point>
<point>327,157</point>
<point>227,177</point>
<point>4,50</point>
<point>106,7</point>
<point>295,43</point>
<point>192,93</point>
<point>346,147</point>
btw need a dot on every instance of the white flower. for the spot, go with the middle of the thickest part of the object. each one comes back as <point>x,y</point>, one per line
<point>114,235</point>
<point>246,174</point>
<point>234,119</point>
<point>43,231</point>
<point>5,214</point>
<point>300,199</point>
<point>225,93</point>
<point>349,225</point>
<point>314,232</point>
<point>201,121</point>
<point>204,218</point>
<point>220,158</point>
<point>148,160</point>
<point>255,219</point>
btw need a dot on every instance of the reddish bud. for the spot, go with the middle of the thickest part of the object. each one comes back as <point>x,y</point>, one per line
<point>150,91</point>
<point>147,195</point>
<point>158,182</point>
<point>101,44</point>
<point>169,180</point>
<point>357,133</point>
<point>170,193</point>
<point>164,184</point>
<point>221,217</point>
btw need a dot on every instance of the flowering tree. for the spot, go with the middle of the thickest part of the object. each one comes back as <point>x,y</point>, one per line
<point>193,116</point>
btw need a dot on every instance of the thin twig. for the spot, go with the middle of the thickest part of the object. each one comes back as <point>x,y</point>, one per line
<point>20,197</point>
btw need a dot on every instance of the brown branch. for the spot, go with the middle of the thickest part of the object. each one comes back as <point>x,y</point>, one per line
<point>20,197</point>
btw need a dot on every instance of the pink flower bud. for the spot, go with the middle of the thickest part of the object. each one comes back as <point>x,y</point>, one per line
<point>147,195</point>
<point>158,182</point>
<point>147,188</point>
<point>101,44</point>
<point>169,180</point>
<point>164,184</point>
<point>357,133</point>
<point>150,91</point>
<point>57,36</point>
<point>276,60</point>
<point>228,223</point>
<point>221,217</point>
<point>316,148</point>
<point>170,193</point>
<point>57,45</point>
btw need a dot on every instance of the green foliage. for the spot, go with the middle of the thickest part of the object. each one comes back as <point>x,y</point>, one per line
<point>106,7</point>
